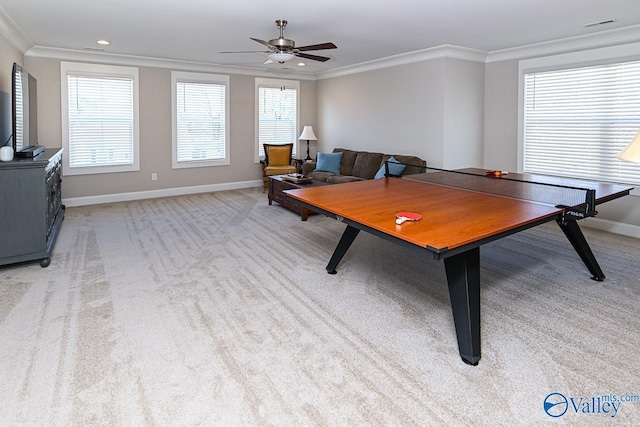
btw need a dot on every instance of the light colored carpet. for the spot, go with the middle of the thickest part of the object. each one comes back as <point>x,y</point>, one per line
<point>215,309</point>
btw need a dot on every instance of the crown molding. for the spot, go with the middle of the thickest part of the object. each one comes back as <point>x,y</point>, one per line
<point>613,37</point>
<point>443,51</point>
<point>147,61</point>
<point>11,32</point>
<point>618,36</point>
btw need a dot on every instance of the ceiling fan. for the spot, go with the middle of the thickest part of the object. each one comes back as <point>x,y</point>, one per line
<point>282,50</point>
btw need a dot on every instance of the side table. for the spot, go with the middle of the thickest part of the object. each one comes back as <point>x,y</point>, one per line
<point>277,185</point>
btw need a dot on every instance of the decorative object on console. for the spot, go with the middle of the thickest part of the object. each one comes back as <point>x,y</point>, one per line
<point>307,133</point>
<point>632,152</point>
<point>6,153</point>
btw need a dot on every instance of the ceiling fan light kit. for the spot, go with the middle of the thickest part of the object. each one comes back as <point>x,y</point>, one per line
<point>282,50</point>
<point>281,57</point>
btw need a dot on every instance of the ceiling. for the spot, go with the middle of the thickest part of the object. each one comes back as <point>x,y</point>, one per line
<point>197,30</point>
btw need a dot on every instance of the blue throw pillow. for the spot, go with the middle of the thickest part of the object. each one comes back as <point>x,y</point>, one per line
<point>394,169</point>
<point>329,162</point>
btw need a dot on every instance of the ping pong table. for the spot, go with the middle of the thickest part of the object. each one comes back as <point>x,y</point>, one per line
<point>462,210</point>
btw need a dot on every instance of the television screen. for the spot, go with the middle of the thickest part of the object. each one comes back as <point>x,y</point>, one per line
<point>25,109</point>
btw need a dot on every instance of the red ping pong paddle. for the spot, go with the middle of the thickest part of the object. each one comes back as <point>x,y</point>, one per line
<point>407,216</point>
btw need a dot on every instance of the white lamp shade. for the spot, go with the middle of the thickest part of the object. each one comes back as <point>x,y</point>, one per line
<point>307,133</point>
<point>632,152</point>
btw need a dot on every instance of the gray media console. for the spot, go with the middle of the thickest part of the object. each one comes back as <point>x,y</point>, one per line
<point>31,210</point>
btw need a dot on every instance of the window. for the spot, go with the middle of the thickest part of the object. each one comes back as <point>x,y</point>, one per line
<point>277,113</point>
<point>99,118</point>
<point>200,119</point>
<point>577,119</point>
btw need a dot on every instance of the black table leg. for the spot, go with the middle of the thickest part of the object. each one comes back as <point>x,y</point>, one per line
<point>347,238</point>
<point>579,243</point>
<point>463,279</point>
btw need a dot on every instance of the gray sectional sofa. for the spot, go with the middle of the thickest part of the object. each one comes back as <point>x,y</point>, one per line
<point>361,165</point>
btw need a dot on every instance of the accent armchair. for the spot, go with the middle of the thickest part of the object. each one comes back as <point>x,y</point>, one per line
<point>277,161</point>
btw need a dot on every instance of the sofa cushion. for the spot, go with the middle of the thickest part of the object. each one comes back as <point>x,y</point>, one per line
<point>348,160</point>
<point>395,169</point>
<point>321,176</point>
<point>367,164</point>
<point>339,179</point>
<point>329,162</point>
<point>409,160</point>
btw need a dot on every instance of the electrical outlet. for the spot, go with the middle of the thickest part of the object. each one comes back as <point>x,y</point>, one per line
<point>154,176</point>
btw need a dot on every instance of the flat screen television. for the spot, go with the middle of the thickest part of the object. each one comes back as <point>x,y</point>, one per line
<point>24,103</point>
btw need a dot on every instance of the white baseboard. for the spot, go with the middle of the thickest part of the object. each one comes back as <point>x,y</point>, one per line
<point>153,194</point>
<point>612,226</point>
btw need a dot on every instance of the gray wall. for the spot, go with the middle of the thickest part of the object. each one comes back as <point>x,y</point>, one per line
<point>501,116</point>
<point>155,133</point>
<point>432,109</point>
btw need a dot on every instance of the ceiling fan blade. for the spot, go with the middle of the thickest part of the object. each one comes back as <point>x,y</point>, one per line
<point>248,51</point>
<point>314,57</point>
<point>263,42</point>
<point>320,46</point>
<point>268,61</point>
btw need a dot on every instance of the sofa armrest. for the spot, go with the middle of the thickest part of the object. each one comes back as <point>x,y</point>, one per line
<point>308,167</point>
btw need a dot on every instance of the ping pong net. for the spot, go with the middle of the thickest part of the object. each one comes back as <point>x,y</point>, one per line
<point>577,202</point>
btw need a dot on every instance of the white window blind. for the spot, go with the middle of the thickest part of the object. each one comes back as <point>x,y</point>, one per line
<point>277,116</point>
<point>200,121</point>
<point>100,121</point>
<point>577,120</point>
<point>99,118</point>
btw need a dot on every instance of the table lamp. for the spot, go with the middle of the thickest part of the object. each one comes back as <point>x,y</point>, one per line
<point>632,152</point>
<point>307,133</point>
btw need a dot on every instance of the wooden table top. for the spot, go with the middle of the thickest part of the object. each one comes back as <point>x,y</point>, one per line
<point>452,217</point>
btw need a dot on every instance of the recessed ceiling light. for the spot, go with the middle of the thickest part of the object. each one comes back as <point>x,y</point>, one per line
<point>301,64</point>
<point>606,21</point>
<point>103,42</point>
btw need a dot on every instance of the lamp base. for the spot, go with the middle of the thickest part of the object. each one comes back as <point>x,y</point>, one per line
<point>306,159</point>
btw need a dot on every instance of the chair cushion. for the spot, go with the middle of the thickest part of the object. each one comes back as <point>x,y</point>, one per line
<point>367,164</point>
<point>328,162</point>
<point>279,170</point>
<point>279,156</point>
<point>394,169</point>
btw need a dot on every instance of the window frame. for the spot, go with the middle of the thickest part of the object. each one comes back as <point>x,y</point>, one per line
<point>275,83</point>
<point>98,70</point>
<point>190,77</point>
<point>588,58</point>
